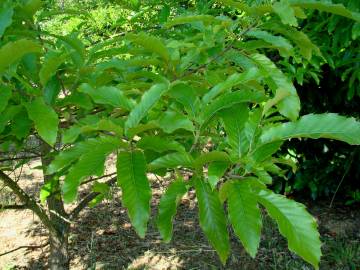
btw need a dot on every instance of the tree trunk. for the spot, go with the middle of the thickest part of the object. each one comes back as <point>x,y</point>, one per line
<point>59,254</point>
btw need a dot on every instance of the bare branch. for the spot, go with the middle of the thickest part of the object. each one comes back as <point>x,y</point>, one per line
<point>21,247</point>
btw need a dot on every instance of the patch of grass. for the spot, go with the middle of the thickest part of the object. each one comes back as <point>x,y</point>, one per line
<point>343,254</point>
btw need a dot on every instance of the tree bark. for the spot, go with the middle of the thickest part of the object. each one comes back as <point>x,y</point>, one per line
<point>59,254</point>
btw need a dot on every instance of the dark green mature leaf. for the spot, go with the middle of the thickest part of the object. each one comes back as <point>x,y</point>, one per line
<point>108,95</point>
<point>329,125</point>
<point>90,162</point>
<point>295,224</point>
<point>14,51</point>
<point>234,119</point>
<point>45,119</point>
<point>7,115</point>
<point>212,218</point>
<point>148,100</point>
<point>211,157</point>
<point>167,208</point>
<point>5,95</point>
<point>21,125</point>
<point>136,192</point>
<point>228,100</point>
<point>244,215</point>
<point>6,13</point>
<point>285,12</point>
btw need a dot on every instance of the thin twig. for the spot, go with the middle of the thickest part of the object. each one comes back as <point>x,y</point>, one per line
<point>21,247</point>
<point>13,207</point>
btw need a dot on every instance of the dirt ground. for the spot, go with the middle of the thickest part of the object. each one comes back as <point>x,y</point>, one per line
<point>104,239</point>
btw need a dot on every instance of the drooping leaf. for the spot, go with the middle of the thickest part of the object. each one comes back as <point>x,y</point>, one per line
<point>45,119</point>
<point>148,100</point>
<point>211,157</point>
<point>328,125</point>
<point>295,224</point>
<point>14,51</point>
<point>90,162</point>
<point>285,12</point>
<point>167,208</point>
<point>51,63</point>
<point>21,125</point>
<point>212,218</point>
<point>136,192</point>
<point>150,43</point>
<point>244,215</point>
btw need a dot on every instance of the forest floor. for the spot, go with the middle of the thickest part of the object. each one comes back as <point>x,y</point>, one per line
<point>104,238</point>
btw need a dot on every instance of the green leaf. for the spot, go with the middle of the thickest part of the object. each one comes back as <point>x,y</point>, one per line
<point>285,12</point>
<point>167,208</point>
<point>159,144</point>
<point>21,125</point>
<point>211,157</point>
<point>264,151</point>
<point>191,19</point>
<point>6,14</point>
<point>231,81</point>
<point>11,52</point>
<point>212,218</point>
<point>172,160</point>
<point>282,44</point>
<point>215,171</point>
<point>234,119</point>
<point>108,95</point>
<point>136,192</point>
<point>290,105</point>
<point>325,6</point>
<point>295,224</point>
<point>7,115</point>
<point>171,121</point>
<point>244,215</point>
<point>91,162</point>
<point>45,119</point>
<point>51,64</point>
<point>186,95</point>
<point>151,44</point>
<point>148,100</point>
<point>328,125</point>
<point>5,95</point>
<point>228,100</point>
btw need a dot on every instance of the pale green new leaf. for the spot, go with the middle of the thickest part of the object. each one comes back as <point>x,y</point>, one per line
<point>295,224</point>
<point>45,119</point>
<point>282,44</point>
<point>148,100</point>
<point>160,144</point>
<point>14,51</point>
<point>328,125</point>
<point>136,192</point>
<point>231,81</point>
<point>91,162</point>
<point>172,160</point>
<point>244,215</point>
<point>212,218</point>
<point>167,208</point>
<point>150,43</point>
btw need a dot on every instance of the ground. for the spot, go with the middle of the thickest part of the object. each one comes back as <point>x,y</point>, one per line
<point>104,239</point>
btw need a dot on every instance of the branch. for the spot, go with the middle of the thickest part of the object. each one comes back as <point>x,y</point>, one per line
<point>28,201</point>
<point>13,207</point>
<point>19,158</point>
<point>28,247</point>
<point>87,199</point>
